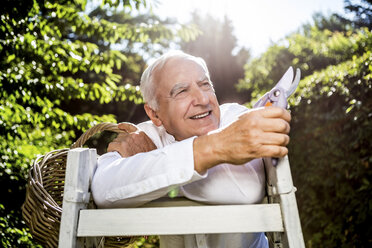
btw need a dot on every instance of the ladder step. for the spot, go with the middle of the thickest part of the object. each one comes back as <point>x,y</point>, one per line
<point>180,220</point>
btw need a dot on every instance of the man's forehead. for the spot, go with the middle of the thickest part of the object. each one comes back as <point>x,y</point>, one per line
<point>175,71</point>
<point>176,62</point>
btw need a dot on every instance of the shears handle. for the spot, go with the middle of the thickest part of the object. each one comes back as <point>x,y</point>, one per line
<point>275,97</point>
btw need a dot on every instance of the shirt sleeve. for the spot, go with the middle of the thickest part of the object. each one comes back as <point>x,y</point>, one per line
<point>133,181</point>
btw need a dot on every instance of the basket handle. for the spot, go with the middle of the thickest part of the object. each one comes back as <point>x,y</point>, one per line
<point>96,129</point>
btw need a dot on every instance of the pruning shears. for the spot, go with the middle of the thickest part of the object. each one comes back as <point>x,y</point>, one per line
<point>278,95</point>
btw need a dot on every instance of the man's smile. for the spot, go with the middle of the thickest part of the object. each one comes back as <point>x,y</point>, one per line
<point>202,115</point>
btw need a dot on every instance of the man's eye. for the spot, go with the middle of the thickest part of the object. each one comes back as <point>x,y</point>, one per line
<point>180,92</point>
<point>206,85</point>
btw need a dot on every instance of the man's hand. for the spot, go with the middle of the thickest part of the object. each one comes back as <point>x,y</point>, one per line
<point>259,133</point>
<point>132,142</point>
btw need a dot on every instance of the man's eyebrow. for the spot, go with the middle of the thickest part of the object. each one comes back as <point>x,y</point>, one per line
<point>178,86</point>
<point>181,85</point>
<point>202,79</point>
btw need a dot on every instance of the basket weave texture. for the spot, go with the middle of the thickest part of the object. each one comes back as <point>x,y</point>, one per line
<point>42,208</point>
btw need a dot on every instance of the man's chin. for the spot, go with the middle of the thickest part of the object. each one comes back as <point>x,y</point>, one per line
<point>206,130</point>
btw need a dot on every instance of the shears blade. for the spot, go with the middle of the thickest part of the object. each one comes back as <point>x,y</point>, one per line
<point>286,80</point>
<point>295,83</point>
<point>288,83</point>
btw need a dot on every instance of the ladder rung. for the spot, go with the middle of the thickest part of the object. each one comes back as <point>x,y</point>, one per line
<point>180,220</point>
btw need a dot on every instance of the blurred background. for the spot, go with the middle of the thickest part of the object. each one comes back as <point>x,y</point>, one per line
<point>67,65</point>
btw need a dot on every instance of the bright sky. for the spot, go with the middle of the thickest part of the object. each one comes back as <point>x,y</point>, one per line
<point>256,22</point>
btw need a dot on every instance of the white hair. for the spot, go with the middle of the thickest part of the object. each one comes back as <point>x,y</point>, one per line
<point>147,85</point>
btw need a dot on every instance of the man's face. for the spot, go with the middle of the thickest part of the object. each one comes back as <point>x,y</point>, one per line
<point>187,103</point>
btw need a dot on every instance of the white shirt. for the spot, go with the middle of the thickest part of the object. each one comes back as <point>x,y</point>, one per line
<point>133,181</point>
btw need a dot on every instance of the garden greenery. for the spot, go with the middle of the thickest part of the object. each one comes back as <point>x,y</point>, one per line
<point>331,132</point>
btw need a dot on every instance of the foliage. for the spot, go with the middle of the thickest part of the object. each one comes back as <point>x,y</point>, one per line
<point>58,66</point>
<point>152,36</point>
<point>332,23</point>
<point>310,50</point>
<point>362,12</point>
<point>358,14</point>
<point>216,46</point>
<point>330,149</point>
<point>10,235</point>
<point>147,242</point>
<point>330,144</point>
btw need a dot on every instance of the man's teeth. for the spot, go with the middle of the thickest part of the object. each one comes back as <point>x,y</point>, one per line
<point>200,116</point>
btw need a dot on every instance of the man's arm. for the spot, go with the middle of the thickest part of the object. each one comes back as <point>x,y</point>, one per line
<point>134,175</point>
<point>137,179</point>
<point>259,133</point>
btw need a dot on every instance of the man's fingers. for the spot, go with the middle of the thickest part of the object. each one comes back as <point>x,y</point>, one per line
<point>129,127</point>
<point>269,119</point>
<point>274,151</point>
<point>276,112</point>
<point>275,139</point>
<point>275,125</point>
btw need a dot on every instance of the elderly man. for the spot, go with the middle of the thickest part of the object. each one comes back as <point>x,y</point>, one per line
<point>209,153</point>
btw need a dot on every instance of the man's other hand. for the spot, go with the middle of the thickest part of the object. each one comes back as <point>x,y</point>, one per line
<point>132,142</point>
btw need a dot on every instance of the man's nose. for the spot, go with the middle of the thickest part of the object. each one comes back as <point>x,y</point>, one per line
<point>200,97</point>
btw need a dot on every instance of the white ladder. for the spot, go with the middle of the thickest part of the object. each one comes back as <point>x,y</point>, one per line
<point>79,224</point>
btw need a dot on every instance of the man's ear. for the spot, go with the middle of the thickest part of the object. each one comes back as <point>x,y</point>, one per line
<point>153,115</point>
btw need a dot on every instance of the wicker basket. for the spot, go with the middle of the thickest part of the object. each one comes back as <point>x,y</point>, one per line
<point>42,208</point>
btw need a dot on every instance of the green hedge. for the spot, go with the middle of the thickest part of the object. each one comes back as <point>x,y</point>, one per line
<point>331,130</point>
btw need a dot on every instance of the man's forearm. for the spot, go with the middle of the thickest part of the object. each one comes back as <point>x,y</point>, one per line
<point>144,176</point>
